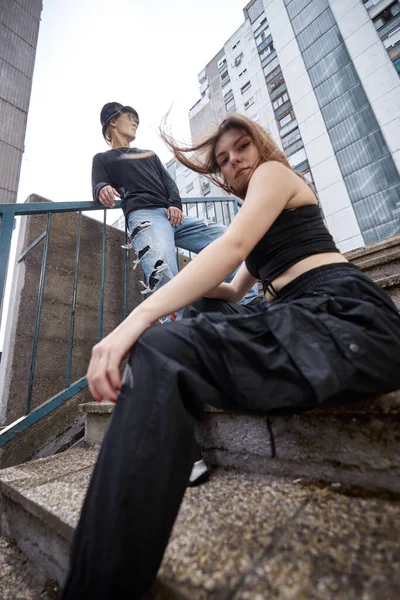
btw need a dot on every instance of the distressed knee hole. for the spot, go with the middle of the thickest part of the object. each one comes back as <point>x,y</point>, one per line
<point>141,227</point>
<point>160,267</point>
<point>143,252</point>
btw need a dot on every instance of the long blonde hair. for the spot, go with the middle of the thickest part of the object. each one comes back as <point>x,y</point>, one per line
<point>200,157</point>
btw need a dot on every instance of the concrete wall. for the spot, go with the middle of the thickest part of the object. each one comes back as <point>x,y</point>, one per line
<point>55,324</point>
<point>19,29</point>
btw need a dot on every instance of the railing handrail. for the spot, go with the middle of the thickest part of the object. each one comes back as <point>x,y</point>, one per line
<point>8,213</point>
<point>37,208</point>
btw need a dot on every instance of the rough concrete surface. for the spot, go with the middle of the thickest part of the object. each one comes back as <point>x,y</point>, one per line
<point>52,351</point>
<point>238,537</point>
<point>246,537</point>
<point>19,579</point>
<point>41,501</point>
<point>381,262</point>
<point>355,444</point>
<point>97,418</point>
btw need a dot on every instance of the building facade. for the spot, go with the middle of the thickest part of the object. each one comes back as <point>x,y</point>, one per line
<point>322,76</point>
<point>19,29</point>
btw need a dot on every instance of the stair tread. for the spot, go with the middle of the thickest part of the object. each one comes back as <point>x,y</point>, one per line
<point>242,536</point>
<point>385,404</point>
<point>51,489</point>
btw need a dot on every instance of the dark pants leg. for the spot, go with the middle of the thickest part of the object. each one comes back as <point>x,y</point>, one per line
<point>208,305</point>
<point>144,463</point>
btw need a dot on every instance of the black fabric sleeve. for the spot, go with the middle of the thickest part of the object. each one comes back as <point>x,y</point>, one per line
<point>174,198</point>
<point>100,177</point>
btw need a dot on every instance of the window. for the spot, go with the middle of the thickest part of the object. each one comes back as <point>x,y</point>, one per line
<point>308,177</point>
<point>242,72</point>
<point>261,26</point>
<point>394,53</point>
<point>255,10</point>
<point>281,100</point>
<point>230,105</point>
<point>236,45</point>
<point>222,64</point>
<point>267,51</point>
<point>262,36</point>
<point>246,87</point>
<point>291,138</point>
<point>255,117</point>
<point>189,187</point>
<point>388,14</point>
<point>274,79</point>
<point>225,78</point>
<point>286,119</point>
<point>249,102</point>
<point>172,170</point>
<point>224,75</point>
<point>292,142</point>
<point>238,59</point>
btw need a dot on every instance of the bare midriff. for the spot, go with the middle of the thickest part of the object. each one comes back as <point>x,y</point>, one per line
<point>311,262</point>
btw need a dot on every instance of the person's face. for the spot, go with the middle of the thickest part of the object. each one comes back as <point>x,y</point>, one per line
<point>237,155</point>
<point>126,125</point>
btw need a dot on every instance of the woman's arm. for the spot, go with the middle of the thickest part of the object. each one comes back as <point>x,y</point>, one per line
<point>270,189</point>
<point>236,289</point>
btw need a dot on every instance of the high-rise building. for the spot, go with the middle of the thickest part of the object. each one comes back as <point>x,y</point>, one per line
<point>193,185</point>
<point>19,29</point>
<point>322,77</point>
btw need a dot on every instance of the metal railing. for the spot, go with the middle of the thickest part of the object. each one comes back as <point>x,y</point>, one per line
<point>213,209</point>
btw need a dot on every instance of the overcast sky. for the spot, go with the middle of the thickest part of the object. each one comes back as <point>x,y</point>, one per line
<point>146,53</point>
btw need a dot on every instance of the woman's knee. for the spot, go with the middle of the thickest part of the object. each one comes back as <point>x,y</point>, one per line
<point>170,340</point>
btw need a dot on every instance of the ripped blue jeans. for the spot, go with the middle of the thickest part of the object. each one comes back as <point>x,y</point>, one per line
<point>154,240</point>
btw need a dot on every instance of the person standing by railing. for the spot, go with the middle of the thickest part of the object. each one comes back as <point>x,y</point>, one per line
<point>150,201</point>
<point>152,208</point>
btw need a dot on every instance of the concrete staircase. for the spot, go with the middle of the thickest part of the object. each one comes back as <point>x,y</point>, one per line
<point>381,261</point>
<point>301,506</point>
<point>239,537</point>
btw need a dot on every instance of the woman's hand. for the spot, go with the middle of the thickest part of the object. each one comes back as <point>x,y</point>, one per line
<point>104,368</point>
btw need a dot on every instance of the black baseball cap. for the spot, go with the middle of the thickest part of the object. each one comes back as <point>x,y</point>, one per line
<point>112,110</point>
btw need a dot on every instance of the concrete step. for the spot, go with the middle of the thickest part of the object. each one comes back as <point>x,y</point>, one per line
<point>240,536</point>
<point>391,284</point>
<point>374,250</point>
<point>381,265</point>
<point>381,262</point>
<point>19,578</point>
<point>357,444</point>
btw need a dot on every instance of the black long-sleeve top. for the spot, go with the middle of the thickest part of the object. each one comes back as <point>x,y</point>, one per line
<point>139,177</point>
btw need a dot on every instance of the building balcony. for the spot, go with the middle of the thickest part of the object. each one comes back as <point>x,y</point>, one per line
<point>389,27</point>
<point>294,147</point>
<point>374,7</point>
<point>266,61</point>
<point>275,92</point>
<point>264,44</point>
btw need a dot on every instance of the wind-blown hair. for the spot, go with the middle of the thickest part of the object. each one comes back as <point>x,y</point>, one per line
<point>200,157</point>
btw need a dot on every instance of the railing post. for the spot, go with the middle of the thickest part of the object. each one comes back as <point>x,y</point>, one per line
<point>6,230</point>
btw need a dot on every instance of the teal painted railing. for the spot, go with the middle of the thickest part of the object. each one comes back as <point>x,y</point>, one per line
<point>219,209</point>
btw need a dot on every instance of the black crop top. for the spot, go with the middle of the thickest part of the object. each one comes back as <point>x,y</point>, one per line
<point>296,234</point>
